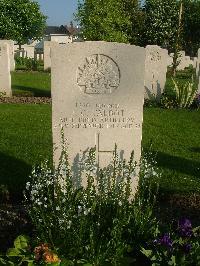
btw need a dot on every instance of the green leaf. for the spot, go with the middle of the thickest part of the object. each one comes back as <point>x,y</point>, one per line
<point>146,252</point>
<point>3,262</point>
<point>21,242</point>
<point>173,261</point>
<point>30,263</point>
<point>13,252</point>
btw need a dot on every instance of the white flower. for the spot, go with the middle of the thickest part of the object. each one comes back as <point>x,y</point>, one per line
<point>79,210</point>
<point>45,206</point>
<point>57,208</point>
<point>69,224</point>
<point>28,185</point>
<point>45,199</point>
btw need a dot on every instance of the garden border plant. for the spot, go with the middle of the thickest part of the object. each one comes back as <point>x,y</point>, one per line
<point>94,223</point>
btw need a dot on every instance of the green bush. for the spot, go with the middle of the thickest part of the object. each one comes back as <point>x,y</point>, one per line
<point>27,63</point>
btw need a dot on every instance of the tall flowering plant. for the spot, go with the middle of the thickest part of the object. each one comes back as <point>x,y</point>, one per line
<point>97,222</point>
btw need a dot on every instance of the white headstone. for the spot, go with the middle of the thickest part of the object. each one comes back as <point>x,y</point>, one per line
<point>155,71</point>
<point>97,96</point>
<point>11,53</point>
<point>198,63</point>
<point>5,78</point>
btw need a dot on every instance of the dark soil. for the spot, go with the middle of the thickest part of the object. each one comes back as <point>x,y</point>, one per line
<point>25,100</point>
<point>13,222</point>
<point>171,209</point>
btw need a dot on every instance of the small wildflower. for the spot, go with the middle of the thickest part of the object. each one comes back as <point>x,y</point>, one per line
<point>165,240</point>
<point>185,227</point>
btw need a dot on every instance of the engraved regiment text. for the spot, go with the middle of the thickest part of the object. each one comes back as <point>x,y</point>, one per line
<point>103,116</point>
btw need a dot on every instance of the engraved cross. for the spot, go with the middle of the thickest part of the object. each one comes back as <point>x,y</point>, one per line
<point>99,151</point>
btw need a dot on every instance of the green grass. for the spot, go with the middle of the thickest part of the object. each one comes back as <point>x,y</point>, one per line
<point>26,140</point>
<point>175,137</point>
<point>36,84</point>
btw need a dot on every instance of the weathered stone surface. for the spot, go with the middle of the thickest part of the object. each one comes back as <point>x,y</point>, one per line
<point>11,53</point>
<point>97,96</point>
<point>198,63</point>
<point>5,78</point>
<point>155,71</point>
<point>185,61</point>
<point>47,56</point>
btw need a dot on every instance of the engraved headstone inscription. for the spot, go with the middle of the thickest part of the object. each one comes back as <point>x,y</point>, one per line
<point>5,78</point>
<point>97,96</point>
<point>155,71</point>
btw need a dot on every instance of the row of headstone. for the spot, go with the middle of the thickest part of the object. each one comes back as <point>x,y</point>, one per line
<point>155,68</point>
<point>184,61</point>
<point>98,96</point>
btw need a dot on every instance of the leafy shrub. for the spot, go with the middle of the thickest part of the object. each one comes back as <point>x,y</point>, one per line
<point>185,93</point>
<point>98,222</point>
<point>168,101</point>
<point>27,63</point>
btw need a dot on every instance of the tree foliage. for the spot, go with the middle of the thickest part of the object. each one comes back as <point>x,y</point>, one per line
<point>191,26</point>
<point>108,20</point>
<point>21,20</point>
<point>154,22</point>
<point>161,21</point>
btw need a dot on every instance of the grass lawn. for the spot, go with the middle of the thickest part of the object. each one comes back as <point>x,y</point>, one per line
<point>175,137</point>
<point>36,84</point>
<point>25,140</point>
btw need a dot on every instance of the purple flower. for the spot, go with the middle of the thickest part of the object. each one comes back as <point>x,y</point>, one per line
<point>165,240</point>
<point>185,227</point>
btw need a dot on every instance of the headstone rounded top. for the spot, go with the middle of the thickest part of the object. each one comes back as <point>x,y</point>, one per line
<point>98,74</point>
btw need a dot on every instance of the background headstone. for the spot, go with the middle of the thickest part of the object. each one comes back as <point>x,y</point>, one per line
<point>155,71</point>
<point>185,61</point>
<point>47,54</point>
<point>97,93</point>
<point>198,63</point>
<point>11,52</point>
<point>5,78</point>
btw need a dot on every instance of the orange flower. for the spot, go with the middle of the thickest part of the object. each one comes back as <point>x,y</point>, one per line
<point>50,257</point>
<point>40,250</point>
